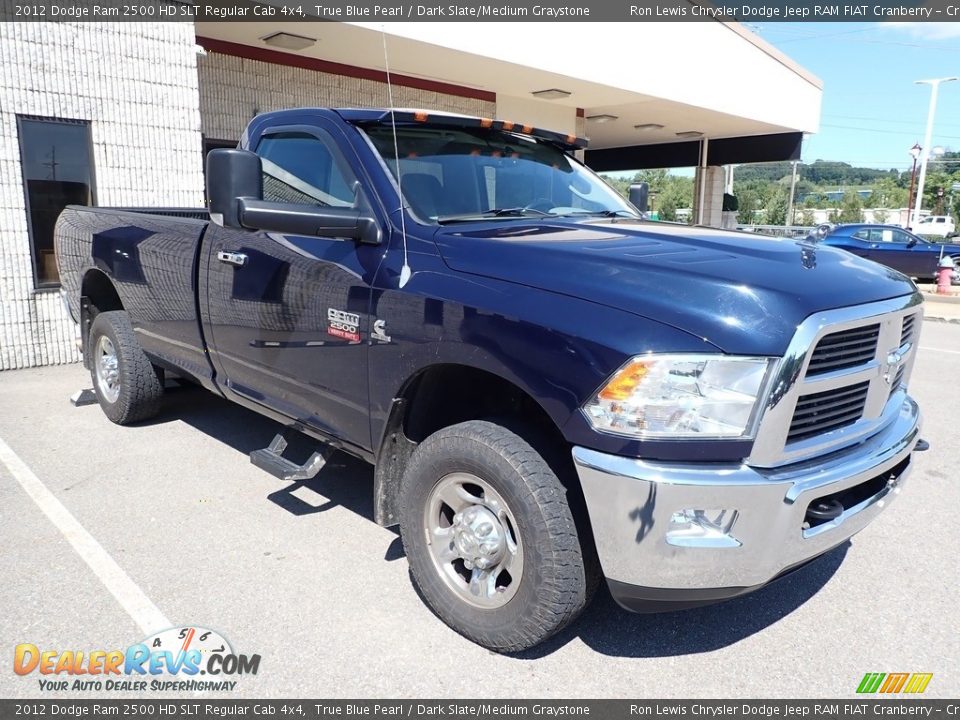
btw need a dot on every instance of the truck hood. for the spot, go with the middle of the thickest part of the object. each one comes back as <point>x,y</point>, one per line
<point>743,293</point>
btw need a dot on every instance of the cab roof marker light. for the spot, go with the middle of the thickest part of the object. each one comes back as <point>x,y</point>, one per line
<point>401,117</point>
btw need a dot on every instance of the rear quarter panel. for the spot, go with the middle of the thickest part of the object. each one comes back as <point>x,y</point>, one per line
<point>151,263</point>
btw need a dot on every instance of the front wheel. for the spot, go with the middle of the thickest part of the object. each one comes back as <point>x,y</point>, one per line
<point>490,538</point>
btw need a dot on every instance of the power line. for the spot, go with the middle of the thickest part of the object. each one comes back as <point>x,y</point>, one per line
<point>798,36</point>
<point>882,132</point>
<point>885,120</point>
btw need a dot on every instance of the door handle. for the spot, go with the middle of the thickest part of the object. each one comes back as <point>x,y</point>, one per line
<point>232,258</point>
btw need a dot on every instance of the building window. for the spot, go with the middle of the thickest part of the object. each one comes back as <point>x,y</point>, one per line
<point>57,163</point>
<point>213,144</point>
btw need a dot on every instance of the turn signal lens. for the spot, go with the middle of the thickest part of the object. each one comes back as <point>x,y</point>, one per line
<point>625,382</point>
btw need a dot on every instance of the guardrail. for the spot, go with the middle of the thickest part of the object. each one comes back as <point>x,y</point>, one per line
<point>779,230</point>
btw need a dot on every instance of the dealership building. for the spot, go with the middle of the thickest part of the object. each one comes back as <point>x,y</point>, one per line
<point>121,114</point>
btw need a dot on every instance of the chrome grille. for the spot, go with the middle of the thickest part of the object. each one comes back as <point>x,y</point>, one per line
<point>845,349</point>
<point>897,380</point>
<point>841,379</point>
<point>822,412</point>
<point>906,333</point>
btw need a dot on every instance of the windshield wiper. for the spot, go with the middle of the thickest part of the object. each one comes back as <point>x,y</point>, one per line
<point>605,213</point>
<point>511,212</point>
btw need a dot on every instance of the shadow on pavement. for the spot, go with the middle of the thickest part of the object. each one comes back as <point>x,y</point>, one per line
<point>347,482</point>
<point>608,629</point>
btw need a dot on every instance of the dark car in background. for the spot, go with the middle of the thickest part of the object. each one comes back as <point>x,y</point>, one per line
<point>892,246</point>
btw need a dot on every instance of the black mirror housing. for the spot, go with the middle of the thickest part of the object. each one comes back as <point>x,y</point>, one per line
<point>232,176</point>
<point>639,193</point>
<point>314,221</point>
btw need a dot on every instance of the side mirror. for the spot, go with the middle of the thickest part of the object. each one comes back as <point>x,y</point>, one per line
<point>232,175</point>
<point>639,193</point>
<point>235,200</point>
<point>911,242</point>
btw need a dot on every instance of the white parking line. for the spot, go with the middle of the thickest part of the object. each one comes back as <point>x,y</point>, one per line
<point>952,352</point>
<point>131,598</point>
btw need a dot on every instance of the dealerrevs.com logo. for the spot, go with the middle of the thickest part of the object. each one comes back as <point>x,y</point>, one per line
<point>179,659</point>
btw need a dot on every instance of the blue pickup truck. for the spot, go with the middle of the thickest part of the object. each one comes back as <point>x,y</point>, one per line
<point>553,391</point>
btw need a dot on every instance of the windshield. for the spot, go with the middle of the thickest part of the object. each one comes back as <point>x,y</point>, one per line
<point>459,175</point>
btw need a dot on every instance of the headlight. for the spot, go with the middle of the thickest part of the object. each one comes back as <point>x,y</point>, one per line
<point>681,396</point>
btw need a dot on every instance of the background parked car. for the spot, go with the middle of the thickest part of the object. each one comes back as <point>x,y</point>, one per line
<point>892,246</point>
<point>938,225</point>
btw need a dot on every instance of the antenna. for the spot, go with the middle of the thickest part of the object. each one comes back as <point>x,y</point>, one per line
<point>405,270</point>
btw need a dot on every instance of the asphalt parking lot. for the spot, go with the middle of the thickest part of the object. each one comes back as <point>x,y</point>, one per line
<point>303,576</point>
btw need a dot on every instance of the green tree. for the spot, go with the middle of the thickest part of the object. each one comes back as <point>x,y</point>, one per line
<point>749,204</point>
<point>937,182</point>
<point>620,184</point>
<point>851,210</point>
<point>807,217</point>
<point>776,210</point>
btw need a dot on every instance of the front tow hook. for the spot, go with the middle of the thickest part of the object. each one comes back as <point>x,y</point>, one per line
<point>823,511</point>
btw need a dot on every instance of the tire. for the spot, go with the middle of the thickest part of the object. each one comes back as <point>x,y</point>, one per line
<point>128,387</point>
<point>456,481</point>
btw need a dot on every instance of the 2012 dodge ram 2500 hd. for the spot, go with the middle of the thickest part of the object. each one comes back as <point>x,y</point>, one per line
<point>550,388</point>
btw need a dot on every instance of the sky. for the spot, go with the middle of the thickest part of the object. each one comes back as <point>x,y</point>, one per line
<point>873,112</point>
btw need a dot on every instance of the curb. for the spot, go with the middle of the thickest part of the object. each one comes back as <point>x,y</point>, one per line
<point>934,298</point>
<point>934,318</point>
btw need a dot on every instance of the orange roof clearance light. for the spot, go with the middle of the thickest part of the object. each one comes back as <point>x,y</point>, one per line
<point>625,382</point>
<point>486,122</point>
<point>421,116</point>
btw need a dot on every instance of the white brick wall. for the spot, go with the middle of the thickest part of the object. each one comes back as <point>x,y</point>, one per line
<point>137,85</point>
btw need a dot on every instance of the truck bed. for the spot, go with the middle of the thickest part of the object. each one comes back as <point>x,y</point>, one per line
<point>151,256</point>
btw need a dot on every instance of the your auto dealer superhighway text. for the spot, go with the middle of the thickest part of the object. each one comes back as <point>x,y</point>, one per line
<point>746,11</point>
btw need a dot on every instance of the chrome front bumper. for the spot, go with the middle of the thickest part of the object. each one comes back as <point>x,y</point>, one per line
<point>636,506</point>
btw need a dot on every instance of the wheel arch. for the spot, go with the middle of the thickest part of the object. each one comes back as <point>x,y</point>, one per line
<point>445,394</point>
<point>97,295</point>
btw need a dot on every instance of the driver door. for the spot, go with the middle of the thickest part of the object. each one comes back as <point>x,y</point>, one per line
<point>918,254</point>
<point>287,315</point>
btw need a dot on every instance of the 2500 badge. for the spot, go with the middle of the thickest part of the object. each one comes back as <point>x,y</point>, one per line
<point>343,324</point>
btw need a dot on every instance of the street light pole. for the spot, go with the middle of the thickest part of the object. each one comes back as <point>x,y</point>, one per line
<point>914,153</point>
<point>934,87</point>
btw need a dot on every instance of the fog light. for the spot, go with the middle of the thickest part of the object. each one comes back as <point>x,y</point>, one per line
<point>703,528</point>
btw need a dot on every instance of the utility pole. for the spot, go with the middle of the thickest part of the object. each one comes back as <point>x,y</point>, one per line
<point>793,185</point>
<point>934,87</point>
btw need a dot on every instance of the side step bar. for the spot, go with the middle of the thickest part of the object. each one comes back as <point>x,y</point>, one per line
<point>271,459</point>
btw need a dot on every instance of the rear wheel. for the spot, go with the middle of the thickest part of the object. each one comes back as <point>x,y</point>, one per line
<point>490,538</point>
<point>127,385</point>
